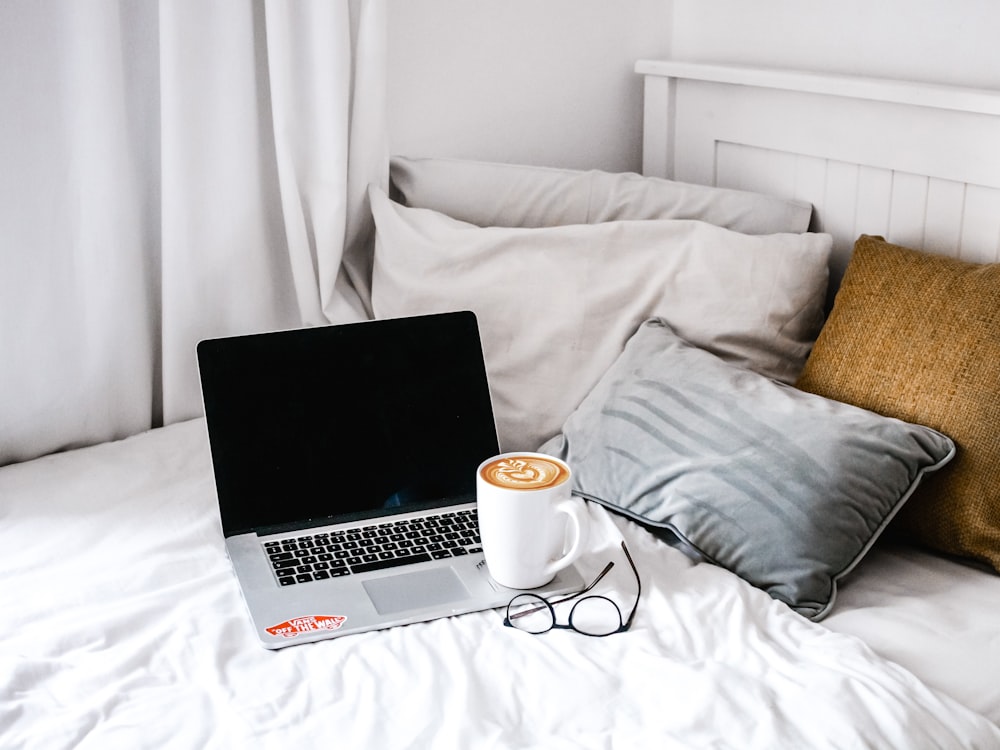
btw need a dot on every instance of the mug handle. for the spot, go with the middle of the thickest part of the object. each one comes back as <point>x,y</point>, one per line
<point>576,511</point>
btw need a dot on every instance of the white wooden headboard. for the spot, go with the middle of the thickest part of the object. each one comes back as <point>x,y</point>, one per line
<point>916,163</point>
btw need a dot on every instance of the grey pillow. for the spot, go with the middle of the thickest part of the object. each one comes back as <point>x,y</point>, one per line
<point>491,194</point>
<point>784,488</point>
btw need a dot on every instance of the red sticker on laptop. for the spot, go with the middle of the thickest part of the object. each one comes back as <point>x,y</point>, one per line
<point>300,625</point>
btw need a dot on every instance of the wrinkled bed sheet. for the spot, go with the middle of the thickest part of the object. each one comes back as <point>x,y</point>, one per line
<point>939,618</point>
<point>122,627</point>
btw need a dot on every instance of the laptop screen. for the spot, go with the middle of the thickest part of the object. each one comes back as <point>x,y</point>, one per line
<point>343,422</point>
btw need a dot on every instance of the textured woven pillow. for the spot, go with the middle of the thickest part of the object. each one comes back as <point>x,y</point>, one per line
<point>786,489</point>
<point>557,304</point>
<point>917,336</point>
<point>514,195</point>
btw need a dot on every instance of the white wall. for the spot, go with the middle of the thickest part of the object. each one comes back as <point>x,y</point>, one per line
<point>940,41</point>
<point>546,82</point>
<point>550,81</point>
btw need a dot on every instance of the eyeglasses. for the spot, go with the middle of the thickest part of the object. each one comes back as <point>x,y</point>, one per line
<point>593,615</point>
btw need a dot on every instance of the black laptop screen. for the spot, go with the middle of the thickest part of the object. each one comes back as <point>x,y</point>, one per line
<point>351,421</point>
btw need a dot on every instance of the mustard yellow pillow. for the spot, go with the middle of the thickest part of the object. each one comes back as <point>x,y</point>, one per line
<point>917,337</point>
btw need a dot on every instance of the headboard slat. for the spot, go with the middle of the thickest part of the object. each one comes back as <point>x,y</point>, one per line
<point>917,163</point>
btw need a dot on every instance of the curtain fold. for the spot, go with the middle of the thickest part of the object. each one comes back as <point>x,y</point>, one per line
<point>326,66</point>
<point>170,172</point>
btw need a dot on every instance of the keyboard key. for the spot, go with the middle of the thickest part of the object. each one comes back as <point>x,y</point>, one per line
<point>383,564</point>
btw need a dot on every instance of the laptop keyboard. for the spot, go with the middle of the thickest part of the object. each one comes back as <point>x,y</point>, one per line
<point>316,557</point>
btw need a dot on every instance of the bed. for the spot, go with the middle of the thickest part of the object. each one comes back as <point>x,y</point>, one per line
<point>122,624</point>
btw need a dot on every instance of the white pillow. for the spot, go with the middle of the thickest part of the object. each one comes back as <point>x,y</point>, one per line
<point>513,195</point>
<point>556,305</point>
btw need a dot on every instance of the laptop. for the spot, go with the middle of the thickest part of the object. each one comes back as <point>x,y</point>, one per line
<point>345,460</point>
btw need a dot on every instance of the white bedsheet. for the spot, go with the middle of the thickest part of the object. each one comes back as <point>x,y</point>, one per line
<point>122,627</point>
<point>937,617</point>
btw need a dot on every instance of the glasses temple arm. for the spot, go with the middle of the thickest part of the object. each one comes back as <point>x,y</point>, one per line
<point>638,582</point>
<point>607,569</point>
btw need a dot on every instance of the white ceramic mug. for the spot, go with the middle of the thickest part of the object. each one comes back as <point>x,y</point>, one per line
<point>530,524</point>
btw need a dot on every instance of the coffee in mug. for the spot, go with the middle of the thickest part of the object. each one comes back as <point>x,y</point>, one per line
<point>530,524</point>
<point>524,471</point>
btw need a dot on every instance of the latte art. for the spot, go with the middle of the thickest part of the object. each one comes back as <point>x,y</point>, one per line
<point>525,472</point>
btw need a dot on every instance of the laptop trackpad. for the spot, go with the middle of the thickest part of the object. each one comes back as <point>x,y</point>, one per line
<point>425,588</point>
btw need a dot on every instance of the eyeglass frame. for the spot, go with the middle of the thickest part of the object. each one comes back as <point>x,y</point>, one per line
<point>624,624</point>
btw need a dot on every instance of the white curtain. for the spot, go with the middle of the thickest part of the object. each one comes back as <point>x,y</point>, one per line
<point>171,171</point>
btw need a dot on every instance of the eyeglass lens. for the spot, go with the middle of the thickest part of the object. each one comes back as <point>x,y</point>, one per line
<point>531,614</point>
<point>596,615</point>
